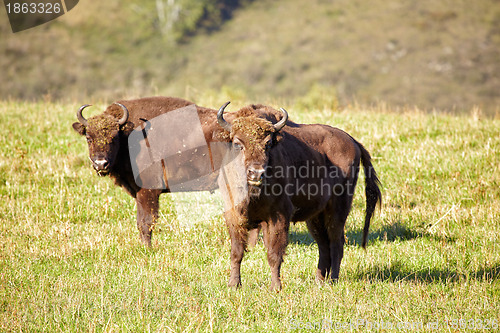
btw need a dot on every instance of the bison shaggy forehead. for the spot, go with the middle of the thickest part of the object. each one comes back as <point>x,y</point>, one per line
<point>104,127</point>
<point>252,127</point>
<point>103,123</point>
<point>255,131</point>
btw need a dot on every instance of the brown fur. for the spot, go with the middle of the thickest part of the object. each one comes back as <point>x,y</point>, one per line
<point>325,213</point>
<point>110,141</point>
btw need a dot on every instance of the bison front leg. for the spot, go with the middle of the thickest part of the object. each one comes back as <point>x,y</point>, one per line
<point>276,240</point>
<point>237,252</point>
<point>147,213</point>
<point>239,238</point>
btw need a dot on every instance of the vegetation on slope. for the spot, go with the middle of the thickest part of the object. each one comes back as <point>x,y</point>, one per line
<point>103,49</point>
<point>434,54</point>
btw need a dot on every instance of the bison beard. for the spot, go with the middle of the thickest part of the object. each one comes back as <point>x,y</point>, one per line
<point>322,199</point>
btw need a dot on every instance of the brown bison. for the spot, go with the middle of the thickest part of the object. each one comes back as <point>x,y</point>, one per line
<point>296,172</point>
<point>109,150</point>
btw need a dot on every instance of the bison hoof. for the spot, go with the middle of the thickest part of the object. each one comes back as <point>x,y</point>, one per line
<point>276,286</point>
<point>319,281</point>
<point>234,283</point>
<point>320,278</point>
<point>146,243</point>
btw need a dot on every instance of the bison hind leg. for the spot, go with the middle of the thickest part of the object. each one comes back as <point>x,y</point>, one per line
<point>317,229</point>
<point>335,224</point>
<point>253,237</point>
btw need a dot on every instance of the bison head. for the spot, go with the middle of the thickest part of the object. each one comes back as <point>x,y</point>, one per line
<point>103,137</point>
<point>254,137</point>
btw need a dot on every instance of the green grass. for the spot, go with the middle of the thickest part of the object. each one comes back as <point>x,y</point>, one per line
<point>71,259</point>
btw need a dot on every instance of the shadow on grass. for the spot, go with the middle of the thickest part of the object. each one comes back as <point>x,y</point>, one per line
<point>393,232</point>
<point>300,238</point>
<point>397,272</point>
<point>388,233</point>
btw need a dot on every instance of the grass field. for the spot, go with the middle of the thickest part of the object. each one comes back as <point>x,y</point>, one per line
<point>71,258</point>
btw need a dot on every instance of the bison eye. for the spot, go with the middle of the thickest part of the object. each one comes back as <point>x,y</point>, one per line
<point>237,146</point>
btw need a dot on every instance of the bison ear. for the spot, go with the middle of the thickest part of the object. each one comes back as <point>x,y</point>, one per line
<point>79,128</point>
<point>127,128</point>
<point>277,137</point>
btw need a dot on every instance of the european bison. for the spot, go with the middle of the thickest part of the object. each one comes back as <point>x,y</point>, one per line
<point>107,136</point>
<point>296,172</point>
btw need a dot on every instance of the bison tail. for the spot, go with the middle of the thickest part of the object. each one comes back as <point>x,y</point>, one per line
<point>372,190</point>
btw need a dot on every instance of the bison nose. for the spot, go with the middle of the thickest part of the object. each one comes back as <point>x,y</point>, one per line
<point>101,165</point>
<point>255,175</point>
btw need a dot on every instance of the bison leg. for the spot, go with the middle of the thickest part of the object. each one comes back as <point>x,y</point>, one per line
<point>237,252</point>
<point>335,226</point>
<point>263,226</point>
<point>337,240</point>
<point>253,237</point>
<point>318,230</point>
<point>147,213</point>
<point>276,240</point>
<point>239,237</point>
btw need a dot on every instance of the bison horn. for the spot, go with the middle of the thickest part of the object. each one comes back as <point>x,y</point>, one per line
<point>79,115</point>
<point>280,124</point>
<point>220,119</point>
<point>124,118</point>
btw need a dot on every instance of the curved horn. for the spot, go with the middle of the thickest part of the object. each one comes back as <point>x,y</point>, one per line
<point>220,119</point>
<point>79,115</point>
<point>280,124</point>
<point>124,118</point>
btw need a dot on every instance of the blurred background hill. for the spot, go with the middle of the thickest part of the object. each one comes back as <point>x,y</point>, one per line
<point>440,54</point>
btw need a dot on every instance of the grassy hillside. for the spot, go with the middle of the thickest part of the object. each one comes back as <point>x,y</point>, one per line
<point>434,54</point>
<point>71,259</point>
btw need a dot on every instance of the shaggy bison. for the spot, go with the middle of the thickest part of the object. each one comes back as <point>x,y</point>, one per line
<point>296,172</point>
<point>109,150</point>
